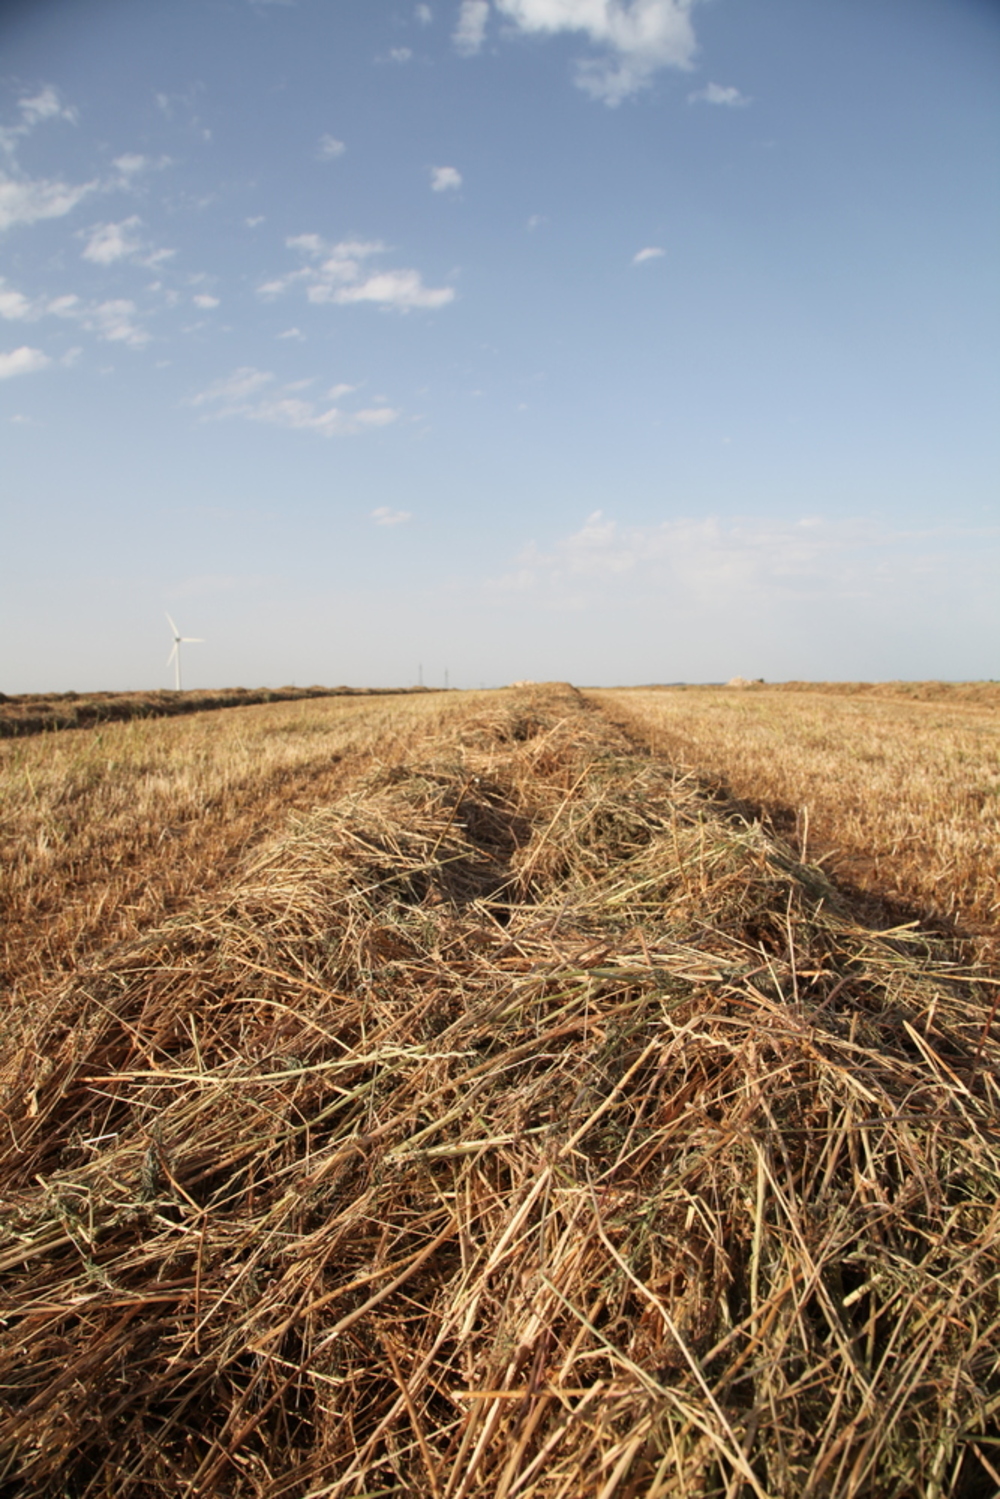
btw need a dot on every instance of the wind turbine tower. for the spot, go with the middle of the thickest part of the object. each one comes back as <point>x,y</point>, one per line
<point>175,654</point>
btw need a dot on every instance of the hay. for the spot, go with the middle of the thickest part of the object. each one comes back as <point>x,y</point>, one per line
<point>522,1124</point>
<point>47,712</point>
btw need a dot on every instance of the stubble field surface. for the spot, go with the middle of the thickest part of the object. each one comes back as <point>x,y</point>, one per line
<point>464,1096</point>
<point>896,791</point>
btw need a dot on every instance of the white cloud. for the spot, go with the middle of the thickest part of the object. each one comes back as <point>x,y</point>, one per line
<point>651,252</point>
<point>22,361</point>
<point>338,392</point>
<point>45,105</point>
<point>26,200</point>
<point>444,178</point>
<point>744,563</point>
<point>329,149</point>
<point>637,38</point>
<point>400,54</point>
<point>717,93</point>
<point>383,516</point>
<point>424,15</point>
<point>131,164</point>
<point>14,305</point>
<point>470,28</point>
<point>246,393</point>
<point>339,274</point>
<point>312,244</point>
<point>252,223</point>
<point>111,242</point>
<point>234,389</point>
<point>35,108</point>
<point>707,597</point>
<point>114,322</point>
<point>204,301</point>
<point>402,290</point>
<point>292,333</point>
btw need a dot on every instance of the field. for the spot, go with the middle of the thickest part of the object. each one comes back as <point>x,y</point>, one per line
<point>898,792</point>
<point>106,831</point>
<point>40,712</point>
<point>463,1096</point>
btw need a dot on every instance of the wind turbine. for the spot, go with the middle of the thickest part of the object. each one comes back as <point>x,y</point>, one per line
<point>175,654</point>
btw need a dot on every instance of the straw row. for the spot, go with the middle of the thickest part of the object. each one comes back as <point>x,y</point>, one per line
<point>521,1124</point>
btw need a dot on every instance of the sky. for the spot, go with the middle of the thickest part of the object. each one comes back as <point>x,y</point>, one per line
<point>614,341</point>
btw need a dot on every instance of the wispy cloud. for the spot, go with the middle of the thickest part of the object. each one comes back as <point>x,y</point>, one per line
<point>14,305</point>
<point>111,242</point>
<point>400,54</point>
<point>635,38</point>
<point>131,167</point>
<point>108,243</point>
<point>424,15</point>
<point>231,392</point>
<point>402,290</point>
<point>330,148</point>
<point>251,394</point>
<point>707,597</point>
<point>22,361</point>
<point>114,320</point>
<point>26,200</point>
<point>341,274</point>
<point>470,27</point>
<point>716,93</point>
<point>384,516</point>
<point>205,301</point>
<point>743,561</point>
<point>45,105</point>
<point>651,252</point>
<point>131,164</point>
<point>444,179</point>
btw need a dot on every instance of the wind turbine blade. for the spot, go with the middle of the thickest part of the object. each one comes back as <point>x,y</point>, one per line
<point>173,653</point>
<point>172,626</point>
<point>191,640</point>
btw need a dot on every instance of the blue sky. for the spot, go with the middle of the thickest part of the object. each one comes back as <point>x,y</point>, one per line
<point>608,341</point>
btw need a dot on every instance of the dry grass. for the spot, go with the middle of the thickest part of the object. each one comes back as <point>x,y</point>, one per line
<point>41,712</point>
<point>986,693</point>
<point>523,1123</point>
<point>107,830</point>
<point>902,798</point>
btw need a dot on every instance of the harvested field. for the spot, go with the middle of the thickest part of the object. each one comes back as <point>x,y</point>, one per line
<point>520,1122</point>
<point>900,796</point>
<point>44,712</point>
<point>104,832</point>
<point>987,693</point>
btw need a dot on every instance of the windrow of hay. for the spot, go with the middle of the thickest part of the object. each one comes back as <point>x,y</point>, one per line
<point>520,1124</point>
<point>44,712</point>
<point>105,834</point>
<point>901,798</point>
